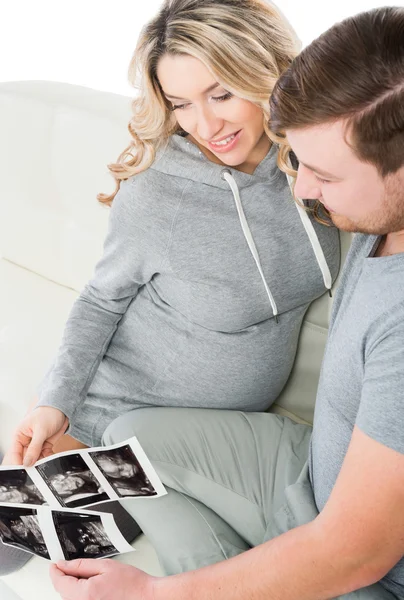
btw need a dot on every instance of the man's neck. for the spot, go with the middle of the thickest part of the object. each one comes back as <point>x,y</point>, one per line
<point>392,243</point>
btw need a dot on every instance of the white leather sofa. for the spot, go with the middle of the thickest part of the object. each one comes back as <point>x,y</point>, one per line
<point>56,140</point>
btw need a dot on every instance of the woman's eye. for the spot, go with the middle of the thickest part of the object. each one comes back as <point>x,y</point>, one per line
<point>225,96</point>
<point>178,106</point>
<point>222,98</point>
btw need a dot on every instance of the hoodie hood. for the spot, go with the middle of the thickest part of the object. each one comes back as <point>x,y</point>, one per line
<point>182,158</point>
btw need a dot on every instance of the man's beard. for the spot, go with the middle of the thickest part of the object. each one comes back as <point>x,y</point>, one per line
<point>387,219</point>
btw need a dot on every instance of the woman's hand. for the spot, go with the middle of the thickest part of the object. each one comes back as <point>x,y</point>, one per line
<point>36,436</point>
<point>89,579</point>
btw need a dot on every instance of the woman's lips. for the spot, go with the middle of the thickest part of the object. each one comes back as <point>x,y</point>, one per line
<point>224,145</point>
<point>327,207</point>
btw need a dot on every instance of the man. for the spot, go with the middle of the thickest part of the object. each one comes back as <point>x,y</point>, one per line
<point>336,528</point>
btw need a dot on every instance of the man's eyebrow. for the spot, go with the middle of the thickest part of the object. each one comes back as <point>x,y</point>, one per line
<point>209,89</point>
<point>319,171</point>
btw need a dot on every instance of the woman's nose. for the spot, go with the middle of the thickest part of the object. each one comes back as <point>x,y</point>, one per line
<point>208,124</point>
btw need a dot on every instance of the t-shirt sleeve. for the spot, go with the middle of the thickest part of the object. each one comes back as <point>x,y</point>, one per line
<point>133,253</point>
<point>381,409</point>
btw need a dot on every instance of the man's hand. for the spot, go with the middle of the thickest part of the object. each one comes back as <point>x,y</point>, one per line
<point>89,579</point>
<point>36,435</point>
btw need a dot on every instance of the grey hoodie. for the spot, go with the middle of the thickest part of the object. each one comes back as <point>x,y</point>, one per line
<point>180,310</point>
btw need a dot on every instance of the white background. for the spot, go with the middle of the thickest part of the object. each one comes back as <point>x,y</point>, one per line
<point>90,42</point>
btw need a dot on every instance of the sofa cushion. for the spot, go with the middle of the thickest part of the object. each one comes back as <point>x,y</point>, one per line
<point>33,311</point>
<point>51,221</point>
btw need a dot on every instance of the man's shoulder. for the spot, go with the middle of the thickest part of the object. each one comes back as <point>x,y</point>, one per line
<point>362,246</point>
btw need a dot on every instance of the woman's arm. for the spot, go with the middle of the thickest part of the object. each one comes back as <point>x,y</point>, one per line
<point>130,259</point>
<point>133,252</point>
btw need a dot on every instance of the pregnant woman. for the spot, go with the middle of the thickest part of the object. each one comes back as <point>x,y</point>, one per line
<point>209,264</point>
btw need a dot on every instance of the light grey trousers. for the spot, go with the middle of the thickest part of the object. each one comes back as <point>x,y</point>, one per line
<point>234,481</point>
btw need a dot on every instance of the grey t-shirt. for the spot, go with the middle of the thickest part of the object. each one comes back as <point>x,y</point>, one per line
<point>362,376</point>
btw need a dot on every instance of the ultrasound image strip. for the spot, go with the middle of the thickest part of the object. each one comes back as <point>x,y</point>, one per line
<point>61,534</point>
<point>83,478</point>
<point>37,504</point>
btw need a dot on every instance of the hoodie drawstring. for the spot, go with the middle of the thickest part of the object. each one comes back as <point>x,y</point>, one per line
<point>312,235</point>
<point>307,224</point>
<point>227,176</point>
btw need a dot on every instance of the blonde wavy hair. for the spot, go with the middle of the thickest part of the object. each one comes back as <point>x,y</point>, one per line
<point>246,44</point>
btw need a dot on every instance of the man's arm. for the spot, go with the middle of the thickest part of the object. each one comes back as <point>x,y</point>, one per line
<point>357,538</point>
<point>354,542</point>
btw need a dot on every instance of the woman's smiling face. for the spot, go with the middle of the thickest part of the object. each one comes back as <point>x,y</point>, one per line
<point>227,128</point>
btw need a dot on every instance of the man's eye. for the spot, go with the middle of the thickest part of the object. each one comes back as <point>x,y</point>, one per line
<point>323,180</point>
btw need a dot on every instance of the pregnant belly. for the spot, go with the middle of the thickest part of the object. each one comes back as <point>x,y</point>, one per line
<point>246,378</point>
<point>168,366</point>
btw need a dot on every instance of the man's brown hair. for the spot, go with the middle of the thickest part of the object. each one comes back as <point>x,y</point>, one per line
<point>354,71</point>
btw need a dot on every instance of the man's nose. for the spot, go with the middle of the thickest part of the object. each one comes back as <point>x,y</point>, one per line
<point>209,124</point>
<point>306,185</point>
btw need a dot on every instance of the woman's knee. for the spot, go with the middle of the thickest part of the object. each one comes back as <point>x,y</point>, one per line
<point>150,425</point>
<point>137,423</point>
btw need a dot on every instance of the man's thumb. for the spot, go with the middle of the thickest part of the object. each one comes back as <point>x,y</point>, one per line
<point>34,449</point>
<point>81,567</point>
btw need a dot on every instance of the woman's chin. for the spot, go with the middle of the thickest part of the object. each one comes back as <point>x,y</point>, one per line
<point>232,159</point>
